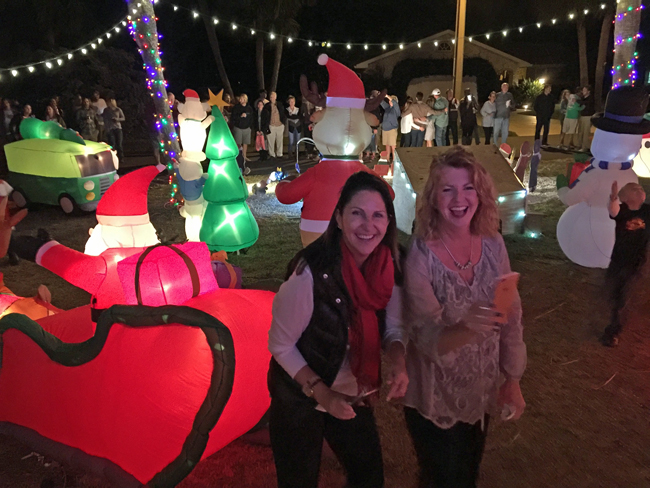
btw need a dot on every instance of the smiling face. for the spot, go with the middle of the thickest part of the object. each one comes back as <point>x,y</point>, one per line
<point>363,224</point>
<point>457,199</point>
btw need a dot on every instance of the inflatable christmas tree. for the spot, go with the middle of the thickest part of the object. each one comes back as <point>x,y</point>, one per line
<point>228,224</point>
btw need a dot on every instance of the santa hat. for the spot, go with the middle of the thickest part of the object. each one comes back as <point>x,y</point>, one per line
<point>345,87</point>
<point>189,94</point>
<point>125,202</point>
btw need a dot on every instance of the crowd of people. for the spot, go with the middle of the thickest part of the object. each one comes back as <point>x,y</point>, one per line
<point>95,119</point>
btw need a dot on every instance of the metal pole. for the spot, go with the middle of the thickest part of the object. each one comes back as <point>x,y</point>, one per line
<point>459,51</point>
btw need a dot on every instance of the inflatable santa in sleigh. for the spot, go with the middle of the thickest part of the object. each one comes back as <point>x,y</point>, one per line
<point>162,369</point>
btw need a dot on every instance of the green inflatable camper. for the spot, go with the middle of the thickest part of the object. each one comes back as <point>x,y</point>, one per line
<point>55,166</point>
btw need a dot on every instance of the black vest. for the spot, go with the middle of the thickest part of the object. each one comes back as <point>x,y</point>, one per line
<point>324,342</point>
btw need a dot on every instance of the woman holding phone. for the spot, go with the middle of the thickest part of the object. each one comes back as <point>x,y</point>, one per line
<point>464,358</point>
<point>326,336</point>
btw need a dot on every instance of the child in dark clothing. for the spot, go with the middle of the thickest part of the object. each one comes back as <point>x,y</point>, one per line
<point>632,218</point>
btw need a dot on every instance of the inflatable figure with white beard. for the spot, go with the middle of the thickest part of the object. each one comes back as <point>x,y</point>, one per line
<point>341,132</point>
<point>123,229</point>
<point>585,231</point>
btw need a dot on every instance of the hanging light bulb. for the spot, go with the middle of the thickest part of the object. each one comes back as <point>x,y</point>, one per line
<point>272,35</point>
<point>14,72</point>
<point>553,21</point>
<point>84,51</point>
<point>521,29</point>
<point>215,21</point>
<point>310,44</point>
<point>539,25</point>
<point>195,13</point>
<point>69,55</point>
<point>453,41</point>
<point>487,36</point>
<point>349,46</point>
<point>435,43</point>
<point>401,46</point>
<point>585,11</point>
<point>419,44</point>
<point>365,46</point>
<point>93,45</point>
<point>48,65</point>
<point>383,46</point>
<point>471,39</point>
<point>59,62</point>
<point>252,32</point>
<point>571,16</point>
<point>289,39</point>
<point>505,32</point>
<point>30,68</point>
<point>234,27</point>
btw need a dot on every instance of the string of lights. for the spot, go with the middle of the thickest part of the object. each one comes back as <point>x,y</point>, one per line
<point>55,61</point>
<point>626,22</point>
<point>143,28</point>
<point>240,28</point>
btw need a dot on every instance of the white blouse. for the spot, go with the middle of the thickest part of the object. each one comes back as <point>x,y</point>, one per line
<point>293,307</point>
<point>462,385</point>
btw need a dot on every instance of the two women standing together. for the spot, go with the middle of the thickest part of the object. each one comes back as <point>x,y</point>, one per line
<point>453,359</point>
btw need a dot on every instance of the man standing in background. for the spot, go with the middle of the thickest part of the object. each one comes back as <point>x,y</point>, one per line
<point>505,103</point>
<point>584,126</point>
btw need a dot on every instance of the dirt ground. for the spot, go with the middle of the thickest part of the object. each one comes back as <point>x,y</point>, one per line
<point>587,420</point>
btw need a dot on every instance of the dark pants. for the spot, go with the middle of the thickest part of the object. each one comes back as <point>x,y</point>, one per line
<point>405,140</point>
<point>297,431</point>
<point>477,137</point>
<point>618,281</point>
<point>453,128</point>
<point>448,458</point>
<point>532,177</point>
<point>417,138</point>
<point>488,134</point>
<point>468,132</point>
<point>115,137</point>
<point>546,124</point>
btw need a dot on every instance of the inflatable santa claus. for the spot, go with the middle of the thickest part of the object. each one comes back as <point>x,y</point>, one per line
<point>123,229</point>
<point>642,161</point>
<point>585,231</point>
<point>341,132</point>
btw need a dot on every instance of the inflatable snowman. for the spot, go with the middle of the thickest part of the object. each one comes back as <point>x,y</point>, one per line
<point>642,161</point>
<point>193,120</point>
<point>585,231</point>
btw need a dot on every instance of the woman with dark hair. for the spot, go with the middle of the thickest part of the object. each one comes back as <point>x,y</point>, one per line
<point>463,357</point>
<point>329,319</point>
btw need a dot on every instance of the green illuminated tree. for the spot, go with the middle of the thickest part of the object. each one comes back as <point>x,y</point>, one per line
<point>228,224</point>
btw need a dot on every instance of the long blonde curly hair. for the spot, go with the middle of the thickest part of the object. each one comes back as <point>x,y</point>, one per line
<point>428,217</point>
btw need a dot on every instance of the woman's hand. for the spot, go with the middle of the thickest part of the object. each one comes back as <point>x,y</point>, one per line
<point>481,317</point>
<point>510,394</point>
<point>398,380</point>
<point>334,403</point>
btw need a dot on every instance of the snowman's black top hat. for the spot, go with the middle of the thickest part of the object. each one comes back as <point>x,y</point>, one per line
<point>624,111</point>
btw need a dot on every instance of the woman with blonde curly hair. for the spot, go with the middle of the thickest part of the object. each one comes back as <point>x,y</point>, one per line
<point>463,358</point>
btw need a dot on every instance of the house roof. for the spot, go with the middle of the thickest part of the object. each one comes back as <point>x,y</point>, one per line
<point>445,35</point>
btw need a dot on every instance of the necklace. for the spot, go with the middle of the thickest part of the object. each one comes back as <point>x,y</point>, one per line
<point>468,264</point>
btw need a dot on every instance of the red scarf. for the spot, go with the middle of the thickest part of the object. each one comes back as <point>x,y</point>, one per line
<point>370,289</point>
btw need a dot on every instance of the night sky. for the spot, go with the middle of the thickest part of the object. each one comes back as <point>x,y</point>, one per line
<point>189,61</point>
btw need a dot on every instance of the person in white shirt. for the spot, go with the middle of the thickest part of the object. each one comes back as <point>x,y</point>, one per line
<point>325,339</point>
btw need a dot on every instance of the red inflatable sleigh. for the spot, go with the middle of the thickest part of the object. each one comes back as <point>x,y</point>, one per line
<point>144,394</point>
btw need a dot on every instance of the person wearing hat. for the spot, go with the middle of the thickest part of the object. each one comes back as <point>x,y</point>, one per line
<point>123,229</point>
<point>585,231</point>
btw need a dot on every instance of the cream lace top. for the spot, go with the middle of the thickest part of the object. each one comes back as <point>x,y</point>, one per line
<point>462,385</point>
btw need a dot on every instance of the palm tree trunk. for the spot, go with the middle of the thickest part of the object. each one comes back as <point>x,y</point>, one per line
<point>601,61</point>
<point>146,34</point>
<point>214,44</point>
<point>259,59</point>
<point>625,31</point>
<point>276,63</point>
<point>582,51</point>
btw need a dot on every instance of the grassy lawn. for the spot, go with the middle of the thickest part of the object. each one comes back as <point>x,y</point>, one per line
<point>587,421</point>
